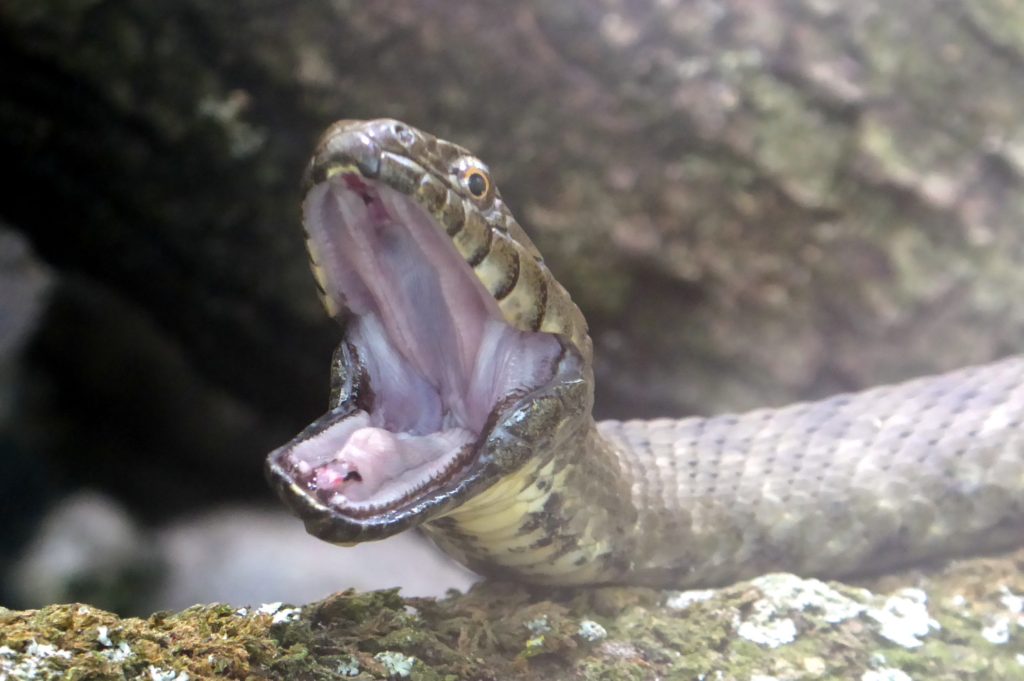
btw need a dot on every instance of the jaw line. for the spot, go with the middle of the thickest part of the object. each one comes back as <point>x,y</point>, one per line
<point>333,524</point>
<point>325,520</point>
<point>481,470</point>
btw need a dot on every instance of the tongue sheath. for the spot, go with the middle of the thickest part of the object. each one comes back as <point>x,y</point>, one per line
<point>372,457</point>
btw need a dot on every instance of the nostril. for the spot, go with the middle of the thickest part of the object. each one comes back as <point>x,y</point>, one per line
<point>352,476</point>
<point>403,134</point>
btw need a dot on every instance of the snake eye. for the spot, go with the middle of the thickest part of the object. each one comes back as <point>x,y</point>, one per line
<point>476,182</point>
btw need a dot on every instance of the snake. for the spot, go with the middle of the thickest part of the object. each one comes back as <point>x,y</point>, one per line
<point>461,403</point>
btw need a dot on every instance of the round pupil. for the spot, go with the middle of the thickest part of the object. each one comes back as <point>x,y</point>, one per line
<point>477,184</point>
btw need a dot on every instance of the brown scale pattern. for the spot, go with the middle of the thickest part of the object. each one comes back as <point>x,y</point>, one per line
<point>852,484</point>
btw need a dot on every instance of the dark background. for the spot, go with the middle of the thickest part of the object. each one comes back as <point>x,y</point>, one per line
<point>753,202</point>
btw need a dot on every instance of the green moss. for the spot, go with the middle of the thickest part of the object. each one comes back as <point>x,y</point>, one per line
<point>781,114</point>
<point>514,632</point>
<point>204,641</point>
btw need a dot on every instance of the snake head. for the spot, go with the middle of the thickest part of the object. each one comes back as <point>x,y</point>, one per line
<point>460,354</point>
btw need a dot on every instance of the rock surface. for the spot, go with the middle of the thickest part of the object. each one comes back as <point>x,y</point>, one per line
<point>966,622</point>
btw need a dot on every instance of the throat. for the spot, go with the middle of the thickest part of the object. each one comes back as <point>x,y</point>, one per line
<point>528,526</point>
<point>393,263</point>
<point>415,430</point>
<point>422,397</point>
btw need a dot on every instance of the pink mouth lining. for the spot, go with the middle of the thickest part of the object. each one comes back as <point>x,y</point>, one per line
<point>438,354</point>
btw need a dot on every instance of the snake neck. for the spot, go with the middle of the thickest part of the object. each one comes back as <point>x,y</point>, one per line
<point>566,517</point>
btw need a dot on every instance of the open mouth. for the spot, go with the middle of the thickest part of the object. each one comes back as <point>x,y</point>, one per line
<point>431,347</point>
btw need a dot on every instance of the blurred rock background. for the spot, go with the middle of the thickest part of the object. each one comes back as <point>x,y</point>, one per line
<point>753,202</point>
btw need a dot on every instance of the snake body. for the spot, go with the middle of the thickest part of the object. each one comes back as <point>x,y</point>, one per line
<point>533,488</point>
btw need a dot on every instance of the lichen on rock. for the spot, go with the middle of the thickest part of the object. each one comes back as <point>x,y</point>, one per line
<point>937,625</point>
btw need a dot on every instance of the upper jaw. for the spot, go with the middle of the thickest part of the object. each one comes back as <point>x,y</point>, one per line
<point>384,150</point>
